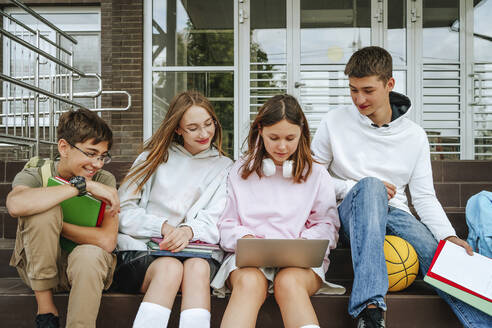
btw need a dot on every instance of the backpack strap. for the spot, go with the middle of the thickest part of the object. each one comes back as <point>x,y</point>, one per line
<point>46,171</point>
<point>45,166</point>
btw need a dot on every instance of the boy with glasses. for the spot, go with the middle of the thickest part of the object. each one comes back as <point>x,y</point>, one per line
<point>84,140</point>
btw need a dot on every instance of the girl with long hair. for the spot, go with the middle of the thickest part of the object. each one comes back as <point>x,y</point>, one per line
<point>276,191</point>
<point>176,189</point>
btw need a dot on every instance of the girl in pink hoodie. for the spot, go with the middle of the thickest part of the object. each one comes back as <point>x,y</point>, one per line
<point>276,191</point>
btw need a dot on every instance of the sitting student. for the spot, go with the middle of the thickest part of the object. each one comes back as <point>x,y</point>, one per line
<point>276,191</point>
<point>374,152</point>
<point>84,140</point>
<point>176,189</point>
<point>479,221</point>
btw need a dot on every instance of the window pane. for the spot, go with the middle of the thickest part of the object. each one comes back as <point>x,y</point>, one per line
<point>332,31</point>
<point>192,33</point>
<point>441,30</point>
<point>217,87</point>
<point>397,31</point>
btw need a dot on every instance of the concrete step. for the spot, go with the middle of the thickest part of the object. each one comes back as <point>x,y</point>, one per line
<point>418,307</point>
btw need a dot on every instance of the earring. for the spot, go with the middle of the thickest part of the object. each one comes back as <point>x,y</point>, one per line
<point>269,169</point>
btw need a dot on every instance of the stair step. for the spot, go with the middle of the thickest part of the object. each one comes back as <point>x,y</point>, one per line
<point>9,225</point>
<point>462,171</point>
<point>340,267</point>
<point>455,214</point>
<point>405,309</point>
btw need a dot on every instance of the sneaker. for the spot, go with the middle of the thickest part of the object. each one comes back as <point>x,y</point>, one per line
<point>371,318</point>
<point>47,320</point>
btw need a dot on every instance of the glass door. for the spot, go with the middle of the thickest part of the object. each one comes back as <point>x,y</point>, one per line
<point>298,47</point>
<point>329,33</point>
<point>481,102</point>
<point>456,83</point>
<point>301,47</point>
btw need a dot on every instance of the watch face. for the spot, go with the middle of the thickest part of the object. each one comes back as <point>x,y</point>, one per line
<point>79,183</point>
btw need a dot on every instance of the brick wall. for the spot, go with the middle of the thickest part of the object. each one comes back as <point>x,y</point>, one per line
<point>122,69</point>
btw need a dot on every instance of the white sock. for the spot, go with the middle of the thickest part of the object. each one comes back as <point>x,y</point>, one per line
<point>194,318</point>
<point>310,326</point>
<point>151,315</point>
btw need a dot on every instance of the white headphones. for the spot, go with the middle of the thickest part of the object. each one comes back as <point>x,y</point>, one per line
<point>268,168</point>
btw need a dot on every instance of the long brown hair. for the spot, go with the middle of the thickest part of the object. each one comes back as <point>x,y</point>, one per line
<point>159,143</point>
<point>276,109</point>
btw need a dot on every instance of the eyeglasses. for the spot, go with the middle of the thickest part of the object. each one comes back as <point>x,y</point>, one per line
<point>207,127</point>
<point>103,158</point>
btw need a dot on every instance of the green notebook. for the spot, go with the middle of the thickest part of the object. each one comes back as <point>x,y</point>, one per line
<point>83,211</point>
<point>468,298</point>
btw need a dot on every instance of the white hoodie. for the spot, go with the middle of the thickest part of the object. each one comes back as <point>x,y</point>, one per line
<point>186,190</point>
<point>352,148</point>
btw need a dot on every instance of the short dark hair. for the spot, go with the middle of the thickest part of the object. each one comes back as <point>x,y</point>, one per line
<point>81,125</point>
<point>370,61</point>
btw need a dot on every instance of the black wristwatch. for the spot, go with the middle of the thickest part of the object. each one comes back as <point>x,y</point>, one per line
<point>79,183</point>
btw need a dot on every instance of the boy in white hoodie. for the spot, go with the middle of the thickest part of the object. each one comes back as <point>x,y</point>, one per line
<point>373,153</point>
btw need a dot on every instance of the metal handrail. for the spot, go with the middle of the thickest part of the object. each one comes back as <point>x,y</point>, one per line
<point>40,52</point>
<point>26,115</point>
<point>45,38</point>
<point>44,20</point>
<point>129,104</point>
<point>76,94</point>
<point>41,91</point>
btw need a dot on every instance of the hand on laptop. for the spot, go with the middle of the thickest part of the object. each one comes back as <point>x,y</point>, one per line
<point>248,236</point>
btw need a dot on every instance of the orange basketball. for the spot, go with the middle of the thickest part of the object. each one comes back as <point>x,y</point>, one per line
<point>401,261</point>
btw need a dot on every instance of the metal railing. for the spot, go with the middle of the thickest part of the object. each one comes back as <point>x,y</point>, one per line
<point>38,82</point>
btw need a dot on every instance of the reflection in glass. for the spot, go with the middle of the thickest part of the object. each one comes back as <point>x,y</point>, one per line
<point>440,38</point>
<point>482,31</point>
<point>397,29</point>
<point>332,31</point>
<point>482,41</point>
<point>217,87</point>
<point>268,51</point>
<point>192,33</point>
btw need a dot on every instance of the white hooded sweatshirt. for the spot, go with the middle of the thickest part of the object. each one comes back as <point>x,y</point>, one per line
<point>352,147</point>
<point>186,190</point>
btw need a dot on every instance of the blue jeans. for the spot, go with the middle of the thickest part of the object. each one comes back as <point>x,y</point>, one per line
<point>366,218</point>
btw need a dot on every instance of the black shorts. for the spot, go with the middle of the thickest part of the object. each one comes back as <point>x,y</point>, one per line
<point>131,267</point>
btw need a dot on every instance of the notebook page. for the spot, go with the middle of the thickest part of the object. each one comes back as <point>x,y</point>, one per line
<point>472,272</point>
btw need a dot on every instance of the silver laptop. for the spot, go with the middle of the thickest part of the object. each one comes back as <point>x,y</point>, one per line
<point>280,253</point>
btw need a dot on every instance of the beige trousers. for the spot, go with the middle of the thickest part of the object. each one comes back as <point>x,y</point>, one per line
<point>42,265</point>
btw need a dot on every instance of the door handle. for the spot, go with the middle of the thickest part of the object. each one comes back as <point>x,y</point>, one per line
<point>299,84</point>
<point>477,77</point>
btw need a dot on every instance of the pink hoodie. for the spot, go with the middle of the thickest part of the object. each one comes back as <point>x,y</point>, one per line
<point>276,207</point>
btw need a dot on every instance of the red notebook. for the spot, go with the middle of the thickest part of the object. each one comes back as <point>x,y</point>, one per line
<point>468,278</point>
